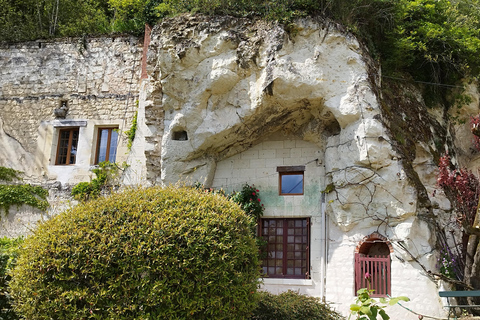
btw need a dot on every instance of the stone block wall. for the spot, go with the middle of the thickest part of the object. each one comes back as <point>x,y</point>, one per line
<point>96,78</point>
<point>98,81</point>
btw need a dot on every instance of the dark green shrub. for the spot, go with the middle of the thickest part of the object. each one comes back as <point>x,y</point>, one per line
<point>8,257</point>
<point>142,254</point>
<point>9,174</point>
<point>291,305</point>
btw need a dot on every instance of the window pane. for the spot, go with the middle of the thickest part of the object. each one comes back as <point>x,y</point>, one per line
<point>102,145</point>
<point>107,145</point>
<point>73,148</point>
<point>63,147</point>
<point>113,146</point>
<point>291,183</point>
<point>67,146</point>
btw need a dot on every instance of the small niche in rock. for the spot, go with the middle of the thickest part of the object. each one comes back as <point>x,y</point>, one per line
<point>332,128</point>
<point>180,135</point>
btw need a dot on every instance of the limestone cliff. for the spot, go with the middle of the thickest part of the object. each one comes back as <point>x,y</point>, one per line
<point>229,83</point>
<point>223,92</point>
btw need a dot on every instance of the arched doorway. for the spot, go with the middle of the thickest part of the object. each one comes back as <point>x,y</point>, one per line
<point>372,265</point>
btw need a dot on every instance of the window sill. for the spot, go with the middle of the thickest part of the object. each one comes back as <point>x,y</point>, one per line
<point>287,282</point>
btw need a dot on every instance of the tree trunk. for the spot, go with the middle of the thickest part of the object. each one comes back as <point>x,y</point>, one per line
<point>472,263</point>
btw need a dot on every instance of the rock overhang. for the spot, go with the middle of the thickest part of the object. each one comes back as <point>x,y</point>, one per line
<point>228,83</point>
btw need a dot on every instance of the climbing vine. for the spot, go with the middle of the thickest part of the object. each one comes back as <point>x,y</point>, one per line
<point>106,173</point>
<point>20,194</point>
<point>462,188</point>
<point>9,174</point>
<point>130,133</point>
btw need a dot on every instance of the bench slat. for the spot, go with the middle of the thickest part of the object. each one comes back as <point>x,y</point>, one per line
<point>448,294</point>
<point>462,306</point>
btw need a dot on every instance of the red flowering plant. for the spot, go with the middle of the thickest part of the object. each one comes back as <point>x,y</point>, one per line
<point>249,200</point>
<point>475,128</point>
<point>462,187</point>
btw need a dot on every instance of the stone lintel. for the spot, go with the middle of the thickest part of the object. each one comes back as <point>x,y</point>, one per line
<point>69,123</point>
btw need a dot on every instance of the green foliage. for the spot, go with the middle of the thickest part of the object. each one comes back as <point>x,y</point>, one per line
<point>130,133</point>
<point>435,40</point>
<point>30,19</point>
<point>8,257</point>
<point>291,305</point>
<point>105,175</point>
<point>329,188</point>
<point>143,254</point>
<point>9,174</point>
<point>249,200</point>
<point>369,308</point>
<point>20,194</point>
<point>135,13</point>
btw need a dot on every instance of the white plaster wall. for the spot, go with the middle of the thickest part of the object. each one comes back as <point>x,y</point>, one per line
<point>258,166</point>
<point>136,173</point>
<point>407,277</point>
<point>87,144</point>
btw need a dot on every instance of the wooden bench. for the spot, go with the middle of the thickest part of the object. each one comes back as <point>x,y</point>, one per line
<point>458,294</point>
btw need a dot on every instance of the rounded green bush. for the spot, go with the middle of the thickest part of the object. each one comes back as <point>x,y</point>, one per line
<point>142,254</point>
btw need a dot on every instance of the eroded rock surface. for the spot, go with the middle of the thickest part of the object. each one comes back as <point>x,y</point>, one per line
<point>223,84</point>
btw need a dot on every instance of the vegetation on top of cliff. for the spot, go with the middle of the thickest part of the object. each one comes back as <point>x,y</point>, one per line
<point>433,41</point>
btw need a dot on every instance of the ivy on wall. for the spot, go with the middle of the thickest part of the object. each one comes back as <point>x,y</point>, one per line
<point>9,174</point>
<point>130,133</point>
<point>20,194</point>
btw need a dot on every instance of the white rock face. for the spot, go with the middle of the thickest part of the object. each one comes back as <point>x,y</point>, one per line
<point>227,84</point>
<point>231,99</point>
